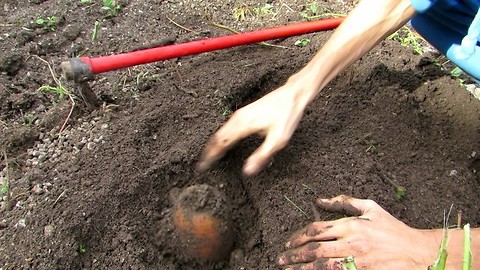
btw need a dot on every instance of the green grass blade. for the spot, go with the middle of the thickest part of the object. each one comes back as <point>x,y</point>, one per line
<point>467,253</point>
<point>441,261</point>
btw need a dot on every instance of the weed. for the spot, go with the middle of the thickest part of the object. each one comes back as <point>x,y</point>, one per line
<point>407,37</point>
<point>227,112</point>
<point>29,119</point>
<point>82,249</point>
<point>241,13</point>
<point>48,23</point>
<point>311,11</point>
<point>302,42</point>
<point>400,192</point>
<point>314,11</point>
<point>95,30</point>
<point>59,89</point>
<point>4,187</point>
<point>266,9</point>
<point>111,7</point>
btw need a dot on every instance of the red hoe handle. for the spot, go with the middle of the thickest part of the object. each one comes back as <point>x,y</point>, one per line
<point>83,68</point>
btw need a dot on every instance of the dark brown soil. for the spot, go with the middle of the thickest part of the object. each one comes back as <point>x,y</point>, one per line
<point>102,201</point>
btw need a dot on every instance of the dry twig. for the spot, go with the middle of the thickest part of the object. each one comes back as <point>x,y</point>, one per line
<point>224,27</point>
<point>181,26</point>
<point>59,84</point>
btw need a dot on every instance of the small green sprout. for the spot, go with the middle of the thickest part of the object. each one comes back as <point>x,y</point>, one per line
<point>86,2</point>
<point>111,7</point>
<point>29,119</point>
<point>241,13</point>
<point>407,37</point>
<point>58,90</point>
<point>312,10</point>
<point>48,23</point>
<point>82,249</point>
<point>4,187</point>
<point>95,30</point>
<point>456,72</point>
<point>302,42</point>
<point>400,192</point>
<point>266,9</point>
<point>227,112</point>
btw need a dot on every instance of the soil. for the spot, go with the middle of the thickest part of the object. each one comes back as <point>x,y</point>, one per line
<point>97,196</point>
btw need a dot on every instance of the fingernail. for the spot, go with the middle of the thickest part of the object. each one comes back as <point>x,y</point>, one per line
<point>288,244</point>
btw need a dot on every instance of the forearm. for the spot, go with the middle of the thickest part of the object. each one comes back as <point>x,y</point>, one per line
<point>369,23</point>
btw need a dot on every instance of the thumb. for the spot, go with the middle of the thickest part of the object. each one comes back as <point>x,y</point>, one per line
<point>347,204</point>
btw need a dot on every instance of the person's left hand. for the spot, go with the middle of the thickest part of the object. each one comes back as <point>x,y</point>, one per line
<point>373,237</point>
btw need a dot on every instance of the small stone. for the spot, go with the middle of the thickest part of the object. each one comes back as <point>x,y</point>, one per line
<point>22,223</point>
<point>453,173</point>
<point>37,189</point>
<point>42,158</point>
<point>3,224</point>
<point>90,145</point>
<point>104,126</point>
<point>48,230</point>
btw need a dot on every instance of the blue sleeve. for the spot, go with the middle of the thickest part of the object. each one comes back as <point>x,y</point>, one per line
<point>422,5</point>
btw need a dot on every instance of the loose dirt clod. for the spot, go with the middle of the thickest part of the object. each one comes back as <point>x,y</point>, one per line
<point>202,221</point>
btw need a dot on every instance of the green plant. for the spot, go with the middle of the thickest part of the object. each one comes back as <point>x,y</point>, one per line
<point>311,11</point>
<point>302,42</point>
<point>266,9</point>
<point>314,11</point>
<point>407,37</point>
<point>82,249</point>
<point>48,23</point>
<point>4,187</point>
<point>58,90</point>
<point>227,112</point>
<point>111,7</point>
<point>400,192</point>
<point>467,246</point>
<point>241,13</point>
<point>86,2</point>
<point>29,119</point>
<point>95,30</point>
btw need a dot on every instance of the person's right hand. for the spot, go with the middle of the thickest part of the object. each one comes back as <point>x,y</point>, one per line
<point>274,116</point>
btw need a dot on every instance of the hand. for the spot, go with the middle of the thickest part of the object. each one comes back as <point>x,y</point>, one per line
<point>274,116</point>
<point>375,238</point>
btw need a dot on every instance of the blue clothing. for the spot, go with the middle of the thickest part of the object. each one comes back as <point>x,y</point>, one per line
<point>453,27</point>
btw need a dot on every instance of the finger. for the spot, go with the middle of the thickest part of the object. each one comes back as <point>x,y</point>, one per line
<point>330,264</point>
<point>349,205</point>
<point>257,161</point>
<point>223,140</point>
<point>316,231</point>
<point>314,251</point>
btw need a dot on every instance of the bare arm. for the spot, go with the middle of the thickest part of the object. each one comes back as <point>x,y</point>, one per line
<point>369,23</point>
<point>282,109</point>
